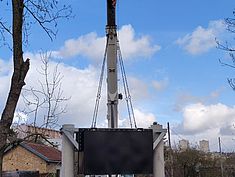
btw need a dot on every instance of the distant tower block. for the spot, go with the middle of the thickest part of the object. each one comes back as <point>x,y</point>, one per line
<point>183,145</point>
<point>204,146</point>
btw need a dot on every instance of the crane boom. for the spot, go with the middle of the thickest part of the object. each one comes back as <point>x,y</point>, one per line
<point>112,86</point>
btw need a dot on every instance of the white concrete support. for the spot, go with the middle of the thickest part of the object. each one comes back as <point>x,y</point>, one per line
<point>67,168</point>
<point>158,160</point>
<point>112,78</point>
<point>158,153</point>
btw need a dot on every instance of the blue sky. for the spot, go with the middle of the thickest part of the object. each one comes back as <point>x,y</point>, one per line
<point>170,57</point>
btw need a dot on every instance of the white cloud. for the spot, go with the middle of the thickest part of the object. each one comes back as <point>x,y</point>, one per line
<point>133,47</point>
<point>143,119</point>
<point>92,46</point>
<point>160,85</point>
<point>202,121</point>
<point>215,94</point>
<point>199,118</point>
<point>202,39</point>
<point>5,75</point>
<point>5,67</point>
<point>81,86</point>
<point>185,98</point>
<point>89,45</point>
<point>138,88</point>
<point>4,87</point>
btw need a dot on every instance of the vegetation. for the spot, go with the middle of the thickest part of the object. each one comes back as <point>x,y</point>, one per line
<point>24,13</point>
<point>195,163</point>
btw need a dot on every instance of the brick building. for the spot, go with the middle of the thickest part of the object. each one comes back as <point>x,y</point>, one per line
<point>32,157</point>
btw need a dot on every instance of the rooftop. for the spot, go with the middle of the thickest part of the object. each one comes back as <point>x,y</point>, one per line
<point>45,152</point>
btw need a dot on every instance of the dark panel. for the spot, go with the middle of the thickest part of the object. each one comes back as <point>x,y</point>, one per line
<point>21,174</point>
<point>118,151</point>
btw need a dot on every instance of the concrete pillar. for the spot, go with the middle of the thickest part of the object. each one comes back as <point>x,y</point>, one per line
<point>158,160</point>
<point>67,168</point>
<point>158,153</point>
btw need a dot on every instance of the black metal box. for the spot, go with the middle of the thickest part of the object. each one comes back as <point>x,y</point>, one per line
<point>116,151</point>
<point>21,174</point>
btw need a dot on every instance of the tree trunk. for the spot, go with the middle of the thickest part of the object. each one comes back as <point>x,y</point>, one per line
<point>21,68</point>
<point>1,162</point>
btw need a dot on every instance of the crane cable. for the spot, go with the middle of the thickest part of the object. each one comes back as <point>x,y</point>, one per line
<point>129,104</point>
<point>124,78</point>
<point>126,88</point>
<point>98,96</point>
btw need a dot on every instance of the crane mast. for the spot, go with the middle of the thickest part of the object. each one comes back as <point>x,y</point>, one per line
<point>112,86</point>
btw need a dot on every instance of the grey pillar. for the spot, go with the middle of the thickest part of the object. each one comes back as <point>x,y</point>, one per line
<point>67,167</point>
<point>158,160</point>
<point>158,153</point>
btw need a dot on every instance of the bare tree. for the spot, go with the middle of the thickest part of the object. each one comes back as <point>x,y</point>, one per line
<point>24,13</point>
<point>192,162</point>
<point>227,47</point>
<point>48,99</point>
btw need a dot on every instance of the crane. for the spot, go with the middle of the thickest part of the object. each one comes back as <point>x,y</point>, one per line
<point>112,85</point>
<point>120,150</point>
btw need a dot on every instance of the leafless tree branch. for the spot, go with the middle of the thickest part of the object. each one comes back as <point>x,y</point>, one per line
<point>2,26</point>
<point>44,13</point>
<point>230,23</point>
<point>49,98</point>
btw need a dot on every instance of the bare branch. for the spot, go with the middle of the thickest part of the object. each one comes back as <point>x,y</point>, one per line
<point>49,97</point>
<point>226,64</point>
<point>2,25</point>
<point>230,22</point>
<point>47,30</point>
<point>225,47</point>
<point>232,83</point>
<point>47,12</point>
